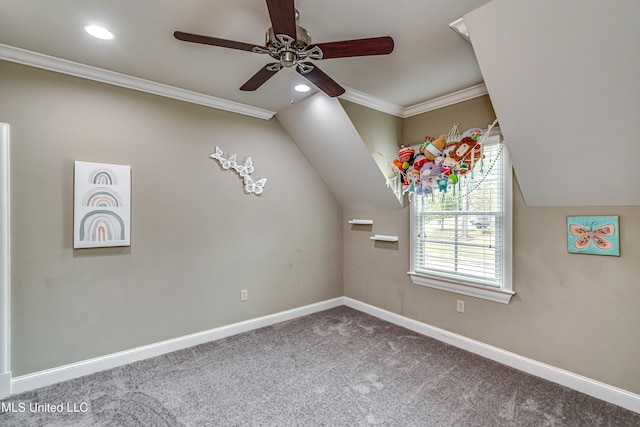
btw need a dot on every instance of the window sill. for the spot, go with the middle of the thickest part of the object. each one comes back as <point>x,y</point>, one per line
<point>492,294</point>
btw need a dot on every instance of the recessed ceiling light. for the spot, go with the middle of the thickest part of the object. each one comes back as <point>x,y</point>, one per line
<point>98,32</point>
<point>302,88</point>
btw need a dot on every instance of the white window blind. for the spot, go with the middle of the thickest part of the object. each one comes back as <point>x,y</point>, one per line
<point>464,236</point>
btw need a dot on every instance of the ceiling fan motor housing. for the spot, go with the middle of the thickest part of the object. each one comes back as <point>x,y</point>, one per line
<point>290,46</point>
<point>290,52</point>
<point>303,38</point>
<point>288,58</point>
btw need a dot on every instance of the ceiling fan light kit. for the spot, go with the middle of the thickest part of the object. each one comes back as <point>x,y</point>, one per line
<point>290,46</point>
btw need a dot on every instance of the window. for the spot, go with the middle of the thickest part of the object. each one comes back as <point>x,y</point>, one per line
<point>461,239</point>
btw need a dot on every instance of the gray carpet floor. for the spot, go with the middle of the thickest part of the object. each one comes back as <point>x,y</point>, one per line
<point>339,367</point>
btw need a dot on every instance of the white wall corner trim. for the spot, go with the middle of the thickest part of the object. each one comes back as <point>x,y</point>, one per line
<point>38,60</point>
<point>5,373</point>
<point>599,390</point>
<point>47,377</point>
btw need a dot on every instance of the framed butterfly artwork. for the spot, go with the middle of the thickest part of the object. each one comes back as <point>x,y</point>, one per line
<point>593,235</point>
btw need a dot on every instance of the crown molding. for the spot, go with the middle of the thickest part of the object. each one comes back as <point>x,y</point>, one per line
<point>446,100</point>
<point>423,107</point>
<point>46,62</point>
<point>372,102</point>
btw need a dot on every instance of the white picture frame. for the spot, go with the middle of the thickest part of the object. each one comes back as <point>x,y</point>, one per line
<point>102,205</point>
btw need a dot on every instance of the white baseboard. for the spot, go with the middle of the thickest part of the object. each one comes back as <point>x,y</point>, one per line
<point>5,385</point>
<point>74,370</point>
<point>599,390</point>
<point>577,382</point>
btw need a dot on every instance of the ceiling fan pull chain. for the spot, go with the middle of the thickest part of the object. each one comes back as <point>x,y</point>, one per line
<point>291,85</point>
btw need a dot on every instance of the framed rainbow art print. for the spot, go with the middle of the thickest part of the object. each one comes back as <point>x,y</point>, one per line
<point>593,235</point>
<point>102,205</point>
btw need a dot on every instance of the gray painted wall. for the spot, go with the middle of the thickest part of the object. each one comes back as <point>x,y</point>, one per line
<point>476,112</point>
<point>380,132</point>
<point>575,312</point>
<point>197,239</point>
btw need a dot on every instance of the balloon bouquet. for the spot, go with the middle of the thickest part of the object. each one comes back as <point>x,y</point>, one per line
<point>439,162</point>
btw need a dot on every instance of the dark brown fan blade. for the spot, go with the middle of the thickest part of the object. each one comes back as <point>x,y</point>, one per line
<point>324,82</point>
<point>213,41</point>
<point>283,17</point>
<point>356,47</point>
<point>259,78</point>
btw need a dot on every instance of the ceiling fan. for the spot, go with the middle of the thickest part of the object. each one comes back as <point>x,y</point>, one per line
<point>290,45</point>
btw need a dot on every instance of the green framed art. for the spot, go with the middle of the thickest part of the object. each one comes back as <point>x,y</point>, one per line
<point>593,235</point>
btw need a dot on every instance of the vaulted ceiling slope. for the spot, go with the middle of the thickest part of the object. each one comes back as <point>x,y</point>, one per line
<point>327,137</point>
<point>428,61</point>
<point>562,75</point>
<point>564,80</point>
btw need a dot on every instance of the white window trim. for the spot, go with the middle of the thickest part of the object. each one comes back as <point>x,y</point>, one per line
<point>503,294</point>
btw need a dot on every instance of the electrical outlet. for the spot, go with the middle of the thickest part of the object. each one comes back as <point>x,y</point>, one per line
<point>460,306</point>
<point>244,295</point>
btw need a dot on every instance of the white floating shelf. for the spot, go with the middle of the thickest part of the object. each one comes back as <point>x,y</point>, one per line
<point>361,221</point>
<point>384,238</point>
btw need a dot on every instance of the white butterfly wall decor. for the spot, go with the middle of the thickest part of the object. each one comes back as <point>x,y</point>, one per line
<point>229,163</point>
<point>244,171</point>
<point>251,186</point>
<point>217,155</point>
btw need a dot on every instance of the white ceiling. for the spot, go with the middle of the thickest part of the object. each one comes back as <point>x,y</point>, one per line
<point>564,80</point>
<point>429,60</point>
<point>562,76</point>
